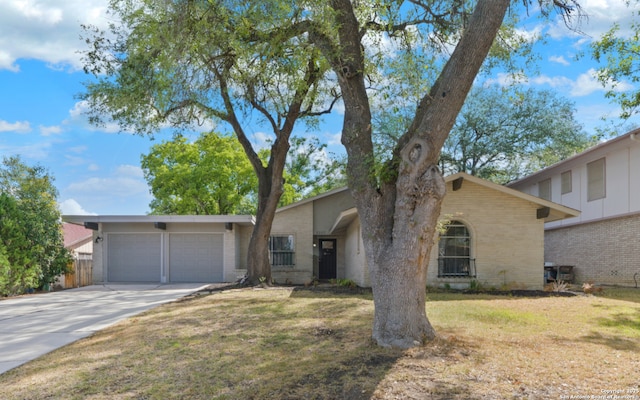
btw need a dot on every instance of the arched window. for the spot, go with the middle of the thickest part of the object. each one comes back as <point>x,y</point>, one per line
<point>454,251</point>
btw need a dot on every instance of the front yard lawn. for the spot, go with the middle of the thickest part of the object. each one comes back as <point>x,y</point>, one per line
<point>286,343</point>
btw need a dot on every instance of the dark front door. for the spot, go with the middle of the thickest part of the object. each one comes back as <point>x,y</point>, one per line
<point>327,267</point>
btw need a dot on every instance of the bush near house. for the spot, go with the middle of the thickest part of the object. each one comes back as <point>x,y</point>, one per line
<point>32,252</point>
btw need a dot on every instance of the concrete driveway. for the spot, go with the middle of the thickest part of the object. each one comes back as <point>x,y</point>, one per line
<point>33,325</point>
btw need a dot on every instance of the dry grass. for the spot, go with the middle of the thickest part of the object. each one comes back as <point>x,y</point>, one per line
<point>301,344</point>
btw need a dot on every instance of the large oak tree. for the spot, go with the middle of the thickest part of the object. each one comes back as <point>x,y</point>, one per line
<point>176,64</point>
<point>399,209</point>
<point>505,134</point>
<point>274,56</point>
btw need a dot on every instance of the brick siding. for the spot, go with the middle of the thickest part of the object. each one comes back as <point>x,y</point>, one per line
<point>605,252</point>
<point>507,239</point>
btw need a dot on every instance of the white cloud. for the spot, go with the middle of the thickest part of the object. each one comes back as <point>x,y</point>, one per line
<point>262,140</point>
<point>587,83</point>
<point>555,82</point>
<point>78,149</point>
<point>584,85</point>
<point>74,160</point>
<point>503,79</point>
<point>129,170</point>
<point>334,138</point>
<point>35,151</point>
<point>18,126</point>
<point>122,191</point>
<point>72,207</point>
<point>600,16</point>
<point>46,30</point>
<point>78,117</point>
<point>559,59</point>
<point>125,181</point>
<point>73,155</point>
<point>109,186</point>
<point>529,34</point>
<point>49,130</point>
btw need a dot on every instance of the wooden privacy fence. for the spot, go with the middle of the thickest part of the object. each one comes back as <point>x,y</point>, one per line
<point>82,274</point>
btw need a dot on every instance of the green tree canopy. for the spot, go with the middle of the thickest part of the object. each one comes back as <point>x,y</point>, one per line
<point>310,170</point>
<point>212,175</point>
<point>505,134</point>
<point>208,176</point>
<point>32,249</point>
<point>501,134</point>
<point>619,50</point>
<point>181,63</point>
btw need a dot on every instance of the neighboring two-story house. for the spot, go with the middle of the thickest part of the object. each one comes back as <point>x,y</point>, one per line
<point>603,182</point>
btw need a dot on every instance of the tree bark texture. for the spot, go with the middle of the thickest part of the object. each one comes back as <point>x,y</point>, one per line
<point>270,188</point>
<point>399,216</point>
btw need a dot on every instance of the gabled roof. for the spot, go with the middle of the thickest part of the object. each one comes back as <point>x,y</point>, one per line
<point>555,211</point>
<point>592,153</point>
<point>314,198</point>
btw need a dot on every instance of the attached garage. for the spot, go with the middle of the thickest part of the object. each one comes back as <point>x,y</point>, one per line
<point>196,257</point>
<point>134,257</point>
<point>167,248</point>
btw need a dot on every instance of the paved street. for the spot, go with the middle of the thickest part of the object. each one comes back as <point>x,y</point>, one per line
<point>33,325</point>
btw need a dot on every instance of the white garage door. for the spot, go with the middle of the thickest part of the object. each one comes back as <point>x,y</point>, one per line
<point>134,257</point>
<point>195,257</point>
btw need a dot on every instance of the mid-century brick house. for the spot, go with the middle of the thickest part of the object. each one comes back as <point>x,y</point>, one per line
<point>495,236</point>
<point>603,182</point>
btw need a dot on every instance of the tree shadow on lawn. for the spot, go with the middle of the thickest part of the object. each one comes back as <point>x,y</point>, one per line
<point>406,374</point>
<point>248,345</point>
<point>331,292</point>
<point>314,348</point>
<point>616,342</point>
<point>627,331</point>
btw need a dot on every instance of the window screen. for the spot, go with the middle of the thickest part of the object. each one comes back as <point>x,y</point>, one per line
<point>544,189</point>
<point>565,177</point>
<point>596,180</point>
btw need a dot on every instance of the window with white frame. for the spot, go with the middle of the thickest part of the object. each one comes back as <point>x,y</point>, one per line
<point>544,189</point>
<point>454,251</point>
<point>282,250</point>
<point>596,183</point>
<point>566,182</point>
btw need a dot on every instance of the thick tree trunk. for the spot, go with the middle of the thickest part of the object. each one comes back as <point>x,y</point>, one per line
<point>399,273</point>
<point>258,264</point>
<point>398,217</point>
<point>270,188</point>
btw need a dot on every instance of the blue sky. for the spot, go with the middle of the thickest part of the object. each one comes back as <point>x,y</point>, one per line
<point>97,171</point>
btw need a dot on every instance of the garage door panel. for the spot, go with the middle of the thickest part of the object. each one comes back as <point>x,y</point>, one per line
<point>196,258</point>
<point>134,257</point>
